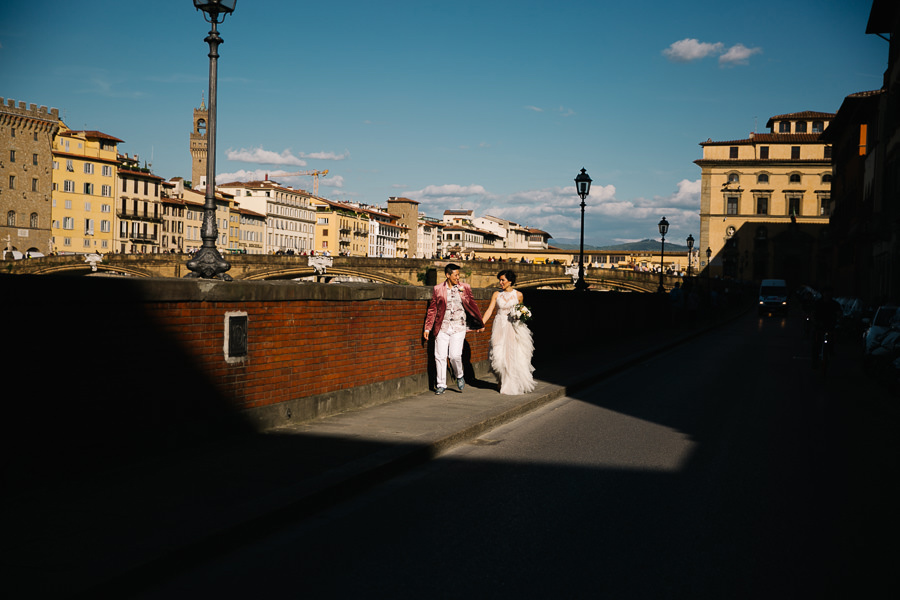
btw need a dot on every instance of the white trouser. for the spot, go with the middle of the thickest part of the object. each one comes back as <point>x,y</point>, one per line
<point>452,344</point>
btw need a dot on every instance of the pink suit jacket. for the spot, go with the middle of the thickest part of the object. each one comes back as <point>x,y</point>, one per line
<point>438,306</point>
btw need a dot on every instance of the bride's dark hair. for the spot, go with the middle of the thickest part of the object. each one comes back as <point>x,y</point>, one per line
<point>509,274</point>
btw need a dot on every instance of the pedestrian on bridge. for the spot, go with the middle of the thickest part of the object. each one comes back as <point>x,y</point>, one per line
<point>451,312</point>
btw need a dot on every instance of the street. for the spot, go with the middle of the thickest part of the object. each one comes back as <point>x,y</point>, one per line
<point>725,468</point>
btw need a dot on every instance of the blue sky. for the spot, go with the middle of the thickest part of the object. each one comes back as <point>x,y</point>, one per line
<point>493,106</point>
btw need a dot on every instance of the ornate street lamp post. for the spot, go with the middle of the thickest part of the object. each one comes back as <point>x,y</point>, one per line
<point>663,230</point>
<point>708,264</point>
<point>583,187</point>
<point>690,245</point>
<point>207,262</point>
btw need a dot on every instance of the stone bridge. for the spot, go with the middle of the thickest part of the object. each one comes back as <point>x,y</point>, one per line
<point>257,267</point>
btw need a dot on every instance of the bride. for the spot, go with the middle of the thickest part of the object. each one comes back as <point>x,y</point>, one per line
<point>511,342</point>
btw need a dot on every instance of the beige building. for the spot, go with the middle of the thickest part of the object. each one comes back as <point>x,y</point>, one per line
<point>252,231</point>
<point>26,179</point>
<point>139,213</point>
<point>407,213</point>
<point>194,212</point>
<point>84,180</point>
<point>765,199</point>
<point>290,214</point>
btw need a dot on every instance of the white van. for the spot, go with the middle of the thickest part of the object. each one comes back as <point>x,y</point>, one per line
<point>773,296</point>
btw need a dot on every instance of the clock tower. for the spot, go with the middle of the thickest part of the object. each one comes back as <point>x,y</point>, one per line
<point>199,146</point>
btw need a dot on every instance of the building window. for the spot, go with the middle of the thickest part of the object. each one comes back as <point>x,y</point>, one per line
<point>818,126</point>
<point>762,178</point>
<point>68,185</point>
<point>89,168</point>
<point>794,206</point>
<point>784,127</point>
<point>732,205</point>
<point>795,152</point>
<point>11,218</point>
<point>107,171</point>
<point>34,159</point>
<point>34,185</point>
<point>732,178</point>
<point>89,189</point>
<point>827,152</point>
<point>12,156</point>
<point>825,206</point>
<point>764,152</point>
<point>68,223</point>
<point>69,166</point>
<point>826,178</point>
<point>33,220</point>
<point>762,205</point>
<point>801,127</point>
<point>795,178</point>
<point>12,182</point>
<point>733,152</point>
<point>106,190</point>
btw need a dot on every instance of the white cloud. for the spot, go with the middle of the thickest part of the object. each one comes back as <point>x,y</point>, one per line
<point>265,157</point>
<point>690,49</point>
<point>326,155</point>
<point>534,108</point>
<point>737,55</point>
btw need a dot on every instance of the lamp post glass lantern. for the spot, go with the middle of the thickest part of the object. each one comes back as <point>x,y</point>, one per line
<point>583,187</point>
<point>207,262</point>
<point>690,245</point>
<point>663,230</point>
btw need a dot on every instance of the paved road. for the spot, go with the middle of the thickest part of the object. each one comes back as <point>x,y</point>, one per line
<point>726,468</point>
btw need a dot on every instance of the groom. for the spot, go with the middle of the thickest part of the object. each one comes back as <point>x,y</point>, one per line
<point>451,303</point>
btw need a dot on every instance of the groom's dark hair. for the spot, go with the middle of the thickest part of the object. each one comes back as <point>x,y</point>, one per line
<point>450,268</point>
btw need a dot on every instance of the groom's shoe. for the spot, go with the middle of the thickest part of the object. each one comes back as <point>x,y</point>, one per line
<point>439,390</point>
<point>460,383</point>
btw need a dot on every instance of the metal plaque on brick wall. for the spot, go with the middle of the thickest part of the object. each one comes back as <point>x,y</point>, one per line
<point>236,336</point>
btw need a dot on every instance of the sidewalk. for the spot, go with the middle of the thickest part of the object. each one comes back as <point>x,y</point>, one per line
<point>106,534</point>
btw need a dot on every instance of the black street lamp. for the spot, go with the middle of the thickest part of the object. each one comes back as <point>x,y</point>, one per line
<point>207,262</point>
<point>708,264</point>
<point>583,187</point>
<point>663,230</point>
<point>690,244</point>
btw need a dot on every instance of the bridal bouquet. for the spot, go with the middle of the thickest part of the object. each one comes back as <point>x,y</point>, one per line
<point>520,312</point>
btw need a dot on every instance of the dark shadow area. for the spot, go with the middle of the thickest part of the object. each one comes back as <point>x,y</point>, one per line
<point>100,383</point>
<point>763,428</point>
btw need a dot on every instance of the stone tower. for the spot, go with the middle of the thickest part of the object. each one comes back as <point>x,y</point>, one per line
<point>26,176</point>
<point>199,146</point>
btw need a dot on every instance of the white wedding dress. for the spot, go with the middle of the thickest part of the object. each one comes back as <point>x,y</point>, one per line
<point>511,348</point>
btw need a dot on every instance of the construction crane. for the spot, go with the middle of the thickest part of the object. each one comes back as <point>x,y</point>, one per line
<point>314,174</point>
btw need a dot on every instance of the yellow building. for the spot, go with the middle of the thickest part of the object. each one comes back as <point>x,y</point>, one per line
<point>764,200</point>
<point>84,179</point>
<point>341,229</point>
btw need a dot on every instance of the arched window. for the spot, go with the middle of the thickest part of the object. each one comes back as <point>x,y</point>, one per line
<point>734,178</point>
<point>826,178</point>
<point>795,178</point>
<point>11,218</point>
<point>762,178</point>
